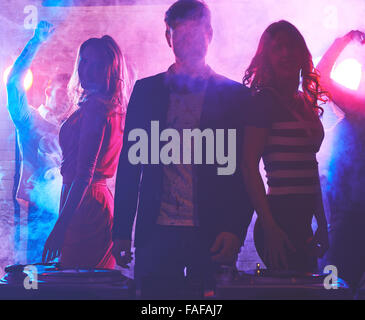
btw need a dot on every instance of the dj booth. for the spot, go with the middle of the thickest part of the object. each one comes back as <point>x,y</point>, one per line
<point>49,281</point>
<point>263,284</point>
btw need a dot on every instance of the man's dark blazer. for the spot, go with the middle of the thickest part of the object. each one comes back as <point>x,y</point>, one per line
<point>222,203</point>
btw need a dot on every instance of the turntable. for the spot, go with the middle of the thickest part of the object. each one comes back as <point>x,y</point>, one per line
<point>278,285</point>
<point>50,281</point>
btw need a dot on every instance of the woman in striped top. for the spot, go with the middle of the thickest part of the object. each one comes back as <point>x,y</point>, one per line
<point>283,128</point>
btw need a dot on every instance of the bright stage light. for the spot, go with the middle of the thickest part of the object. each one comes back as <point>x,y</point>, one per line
<point>348,73</point>
<point>28,80</point>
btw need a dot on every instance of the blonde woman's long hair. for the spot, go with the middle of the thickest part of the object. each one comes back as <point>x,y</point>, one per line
<point>117,82</point>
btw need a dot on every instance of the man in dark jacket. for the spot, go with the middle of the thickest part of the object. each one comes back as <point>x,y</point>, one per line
<point>191,217</point>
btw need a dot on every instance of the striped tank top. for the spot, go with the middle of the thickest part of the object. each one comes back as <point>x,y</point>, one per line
<point>290,153</point>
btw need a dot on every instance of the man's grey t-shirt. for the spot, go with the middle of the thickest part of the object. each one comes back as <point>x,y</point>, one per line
<point>177,200</point>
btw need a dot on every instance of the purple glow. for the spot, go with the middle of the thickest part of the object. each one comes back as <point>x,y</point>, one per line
<point>28,80</point>
<point>139,30</point>
<point>348,73</point>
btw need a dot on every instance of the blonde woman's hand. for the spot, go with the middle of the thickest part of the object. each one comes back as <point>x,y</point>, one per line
<point>54,243</point>
<point>122,246</point>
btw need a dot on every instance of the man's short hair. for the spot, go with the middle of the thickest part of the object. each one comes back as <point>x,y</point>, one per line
<point>183,10</point>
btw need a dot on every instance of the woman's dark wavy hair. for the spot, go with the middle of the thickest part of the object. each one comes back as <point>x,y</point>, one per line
<point>117,83</point>
<point>259,74</point>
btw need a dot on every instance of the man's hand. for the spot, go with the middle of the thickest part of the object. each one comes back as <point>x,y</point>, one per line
<point>225,248</point>
<point>120,246</point>
<point>43,31</point>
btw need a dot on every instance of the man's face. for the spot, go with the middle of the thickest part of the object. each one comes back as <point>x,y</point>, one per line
<point>57,99</point>
<point>190,40</point>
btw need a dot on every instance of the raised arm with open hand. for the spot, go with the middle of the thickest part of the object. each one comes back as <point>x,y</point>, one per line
<point>17,100</point>
<point>349,101</point>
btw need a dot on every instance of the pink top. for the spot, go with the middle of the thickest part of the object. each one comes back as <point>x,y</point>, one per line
<point>91,141</point>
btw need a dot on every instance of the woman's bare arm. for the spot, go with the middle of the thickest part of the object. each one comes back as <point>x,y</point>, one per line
<point>253,148</point>
<point>17,100</point>
<point>276,241</point>
<point>347,100</point>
